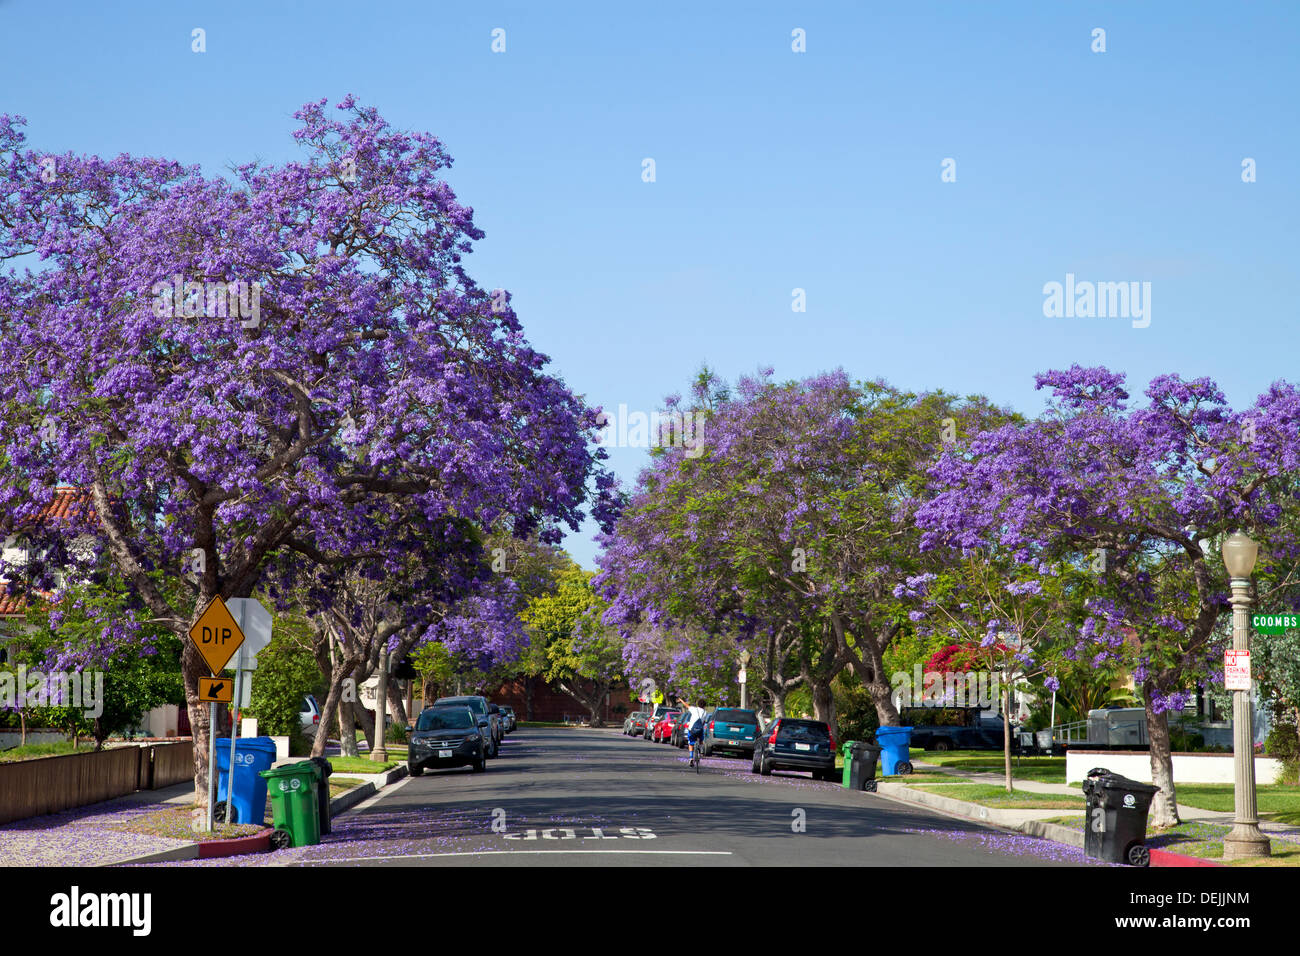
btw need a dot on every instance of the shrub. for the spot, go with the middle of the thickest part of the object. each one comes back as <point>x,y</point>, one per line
<point>1283,742</point>
<point>396,734</point>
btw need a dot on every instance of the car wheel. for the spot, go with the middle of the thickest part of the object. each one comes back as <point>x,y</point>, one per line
<point>765,767</point>
<point>705,750</point>
<point>943,746</point>
<point>755,764</point>
<point>414,769</point>
<point>479,765</point>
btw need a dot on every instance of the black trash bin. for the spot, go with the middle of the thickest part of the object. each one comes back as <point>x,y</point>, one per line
<point>323,791</point>
<point>1115,828</point>
<point>860,765</point>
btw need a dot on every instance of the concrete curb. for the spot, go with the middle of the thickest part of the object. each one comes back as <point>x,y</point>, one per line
<point>175,855</point>
<point>256,843</point>
<point>350,798</point>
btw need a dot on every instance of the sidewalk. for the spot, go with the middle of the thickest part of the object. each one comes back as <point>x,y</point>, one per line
<point>1187,814</point>
<point>86,836</point>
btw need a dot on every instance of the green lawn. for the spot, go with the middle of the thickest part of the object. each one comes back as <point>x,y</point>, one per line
<point>1038,769</point>
<point>1277,802</point>
<point>343,785</point>
<point>42,750</point>
<point>361,765</point>
<point>989,795</point>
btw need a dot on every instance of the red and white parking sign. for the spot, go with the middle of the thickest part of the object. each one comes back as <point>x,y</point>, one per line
<point>1236,670</point>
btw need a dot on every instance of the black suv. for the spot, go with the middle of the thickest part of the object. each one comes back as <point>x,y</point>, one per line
<point>796,745</point>
<point>447,736</point>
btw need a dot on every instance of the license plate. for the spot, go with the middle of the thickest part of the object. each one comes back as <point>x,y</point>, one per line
<point>444,753</point>
<point>736,730</point>
<point>803,746</point>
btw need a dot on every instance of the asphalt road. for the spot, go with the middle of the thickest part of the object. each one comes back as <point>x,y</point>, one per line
<point>597,798</point>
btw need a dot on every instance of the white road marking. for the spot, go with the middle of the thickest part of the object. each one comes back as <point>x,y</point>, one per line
<point>423,856</point>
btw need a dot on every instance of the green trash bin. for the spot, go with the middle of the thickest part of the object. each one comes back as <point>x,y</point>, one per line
<point>295,804</point>
<point>860,765</point>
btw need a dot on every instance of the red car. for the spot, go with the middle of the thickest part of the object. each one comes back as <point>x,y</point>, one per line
<point>664,728</point>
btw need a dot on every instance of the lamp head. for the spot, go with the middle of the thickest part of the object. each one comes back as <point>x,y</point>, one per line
<point>1239,554</point>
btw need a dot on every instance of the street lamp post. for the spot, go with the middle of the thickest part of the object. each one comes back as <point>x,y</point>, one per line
<point>1245,838</point>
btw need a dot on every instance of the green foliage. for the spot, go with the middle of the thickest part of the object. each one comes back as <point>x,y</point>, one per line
<point>1282,742</point>
<point>396,734</point>
<point>854,709</point>
<point>286,671</point>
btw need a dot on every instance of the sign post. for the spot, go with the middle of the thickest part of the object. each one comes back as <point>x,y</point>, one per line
<point>217,636</point>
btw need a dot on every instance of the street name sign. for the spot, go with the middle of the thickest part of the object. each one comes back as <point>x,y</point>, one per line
<point>216,635</point>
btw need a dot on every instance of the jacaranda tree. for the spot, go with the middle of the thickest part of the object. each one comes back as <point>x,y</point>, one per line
<point>229,367</point>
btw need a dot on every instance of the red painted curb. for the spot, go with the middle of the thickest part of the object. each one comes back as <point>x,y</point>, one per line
<point>1170,858</point>
<point>257,843</point>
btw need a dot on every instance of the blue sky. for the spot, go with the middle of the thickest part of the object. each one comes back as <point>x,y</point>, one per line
<point>775,170</point>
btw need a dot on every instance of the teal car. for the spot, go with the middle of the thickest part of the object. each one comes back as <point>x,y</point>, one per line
<point>730,730</point>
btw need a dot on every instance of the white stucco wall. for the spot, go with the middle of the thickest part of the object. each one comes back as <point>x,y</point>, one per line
<point>1188,768</point>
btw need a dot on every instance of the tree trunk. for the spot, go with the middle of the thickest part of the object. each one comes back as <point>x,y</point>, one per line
<point>1164,807</point>
<point>333,698</point>
<point>530,693</point>
<point>866,661</point>
<point>347,731</point>
<point>192,667</point>
<point>397,706</point>
<point>591,701</point>
<point>365,719</point>
<point>824,704</point>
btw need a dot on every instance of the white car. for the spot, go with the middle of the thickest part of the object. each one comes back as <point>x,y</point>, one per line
<point>309,714</point>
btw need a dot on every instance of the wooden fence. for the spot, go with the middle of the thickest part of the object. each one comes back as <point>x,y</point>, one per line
<point>31,788</point>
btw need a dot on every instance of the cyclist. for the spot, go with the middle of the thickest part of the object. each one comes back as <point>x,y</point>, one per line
<point>695,715</point>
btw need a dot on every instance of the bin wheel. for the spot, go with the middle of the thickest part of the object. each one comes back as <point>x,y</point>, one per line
<point>903,768</point>
<point>869,786</point>
<point>281,840</point>
<point>219,812</point>
<point>1138,855</point>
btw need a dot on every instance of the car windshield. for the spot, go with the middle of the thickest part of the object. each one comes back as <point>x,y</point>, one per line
<point>736,717</point>
<point>804,730</point>
<point>473,703</point>
<point>446,718</point>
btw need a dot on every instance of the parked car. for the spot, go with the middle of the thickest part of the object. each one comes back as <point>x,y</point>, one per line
<point>511,723</point>
<point>796,745</point>
<point>447,736</point>
<point>680,726</point>
<point>655,716</point>
<point>630,719</point>
<point>479,705</point>
<point>495,711</point>
<point>664,728</point>
<point>639,724</point>
<point>730,729</point>
<point>952,728</point>
<point>309,715</point>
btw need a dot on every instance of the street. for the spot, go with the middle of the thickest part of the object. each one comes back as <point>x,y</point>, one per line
<point>568,797</point>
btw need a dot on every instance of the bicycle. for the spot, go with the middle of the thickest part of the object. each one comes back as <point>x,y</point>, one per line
<point>695,753</point>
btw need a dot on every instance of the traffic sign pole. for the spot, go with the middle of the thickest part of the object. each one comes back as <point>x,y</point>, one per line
<point>212,761</point>
<point>234,734</point>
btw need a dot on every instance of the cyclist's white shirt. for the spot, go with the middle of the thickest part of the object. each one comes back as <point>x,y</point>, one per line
<point>696,713</point>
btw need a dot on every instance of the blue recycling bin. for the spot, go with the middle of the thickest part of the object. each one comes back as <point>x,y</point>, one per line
<point>252,754</point>
<point>895,750</point>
